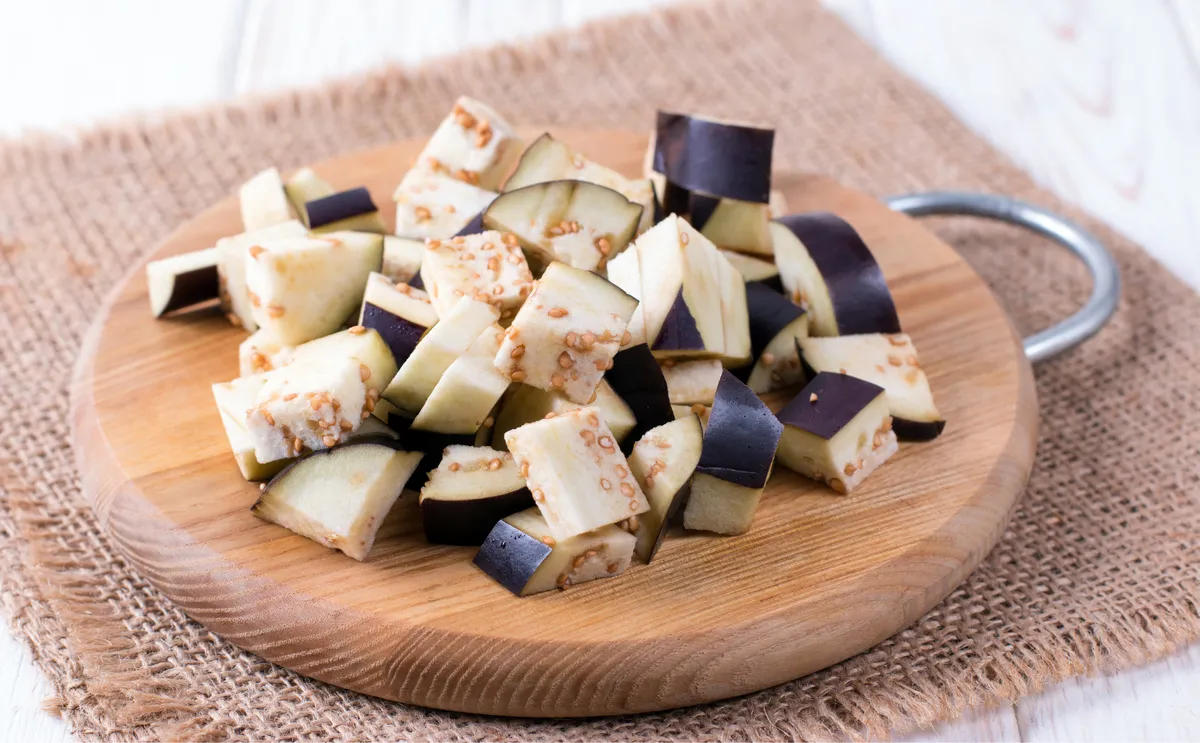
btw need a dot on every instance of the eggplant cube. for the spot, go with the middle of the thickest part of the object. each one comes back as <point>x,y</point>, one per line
<point>837,431</point>
<point>233,400</point>
<point>436,351</point>
<point>402,258</point>
<point>262,352</point>
<point>399,313</point>
<point>489,267</point>
<point>433,205</point>
<point>688,292</point>
<point>576,222</point>
<point>548,159</point>
<point>732,224</point>
<point>625,273</point>
<point>740,439</point>
<point>692,382</point>
<point>638,380</point>
<point>231,269</point>
<point>345,210</point>
<point>322,395</point>
<point>775,326</point>
<point>263,201</point>
<point>890,361</point>
<point>522,554</point>
<point>472,488</point>
<point>663,461</point>
<point>305,186</point>
<point>473,144</point>
<point>339,497</point>
<point>305,287</point>
<point>565,335</point>
<point>467,393</point>
<point>526,404</point>
<point>580,480</point>
<point>182,281</point>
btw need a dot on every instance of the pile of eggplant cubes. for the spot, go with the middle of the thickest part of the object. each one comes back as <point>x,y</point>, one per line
<point>563,361</point>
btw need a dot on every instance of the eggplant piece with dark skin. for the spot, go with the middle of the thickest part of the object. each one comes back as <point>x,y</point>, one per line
<point>775,324</point>
<point>664,461</point>
<point>722,159</point>
<point>679,331</point>
<point>400,314</point>
<point>837,431</point>
<point>183,281</point>
<point>888,360</point>
<point>345,210</point>
<point>828,269</point>
<point>521,554</point>
<point>739,449</point>
<point>474,227</point>
<point>469,491</point>
<point>637,378</point>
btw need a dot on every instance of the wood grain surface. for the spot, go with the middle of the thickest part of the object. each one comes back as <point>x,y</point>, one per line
<point>819,577</point>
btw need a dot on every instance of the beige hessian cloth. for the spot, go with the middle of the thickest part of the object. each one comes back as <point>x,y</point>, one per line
<point>1100,568</point>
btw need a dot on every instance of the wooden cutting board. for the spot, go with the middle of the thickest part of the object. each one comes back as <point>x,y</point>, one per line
<point>819,578</point>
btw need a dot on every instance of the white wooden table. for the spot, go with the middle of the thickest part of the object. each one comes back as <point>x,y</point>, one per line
<point>1099,99</point>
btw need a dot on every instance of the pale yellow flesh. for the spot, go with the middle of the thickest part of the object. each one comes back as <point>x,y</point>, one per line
<point>663,461</point>
<point>802,281</point>
<point>468,392</point>
<point>402,258</point>
<point>526,404</point>
<point>400,299</point>
<point>472,472</point>
<point>692,382</point>
<point>889,361</point>
<point>719,506</point>
<point>846,459</point>
<point>231,267</point>
<point>603,553</point>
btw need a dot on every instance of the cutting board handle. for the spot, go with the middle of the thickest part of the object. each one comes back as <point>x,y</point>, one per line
<point>1106,277</point>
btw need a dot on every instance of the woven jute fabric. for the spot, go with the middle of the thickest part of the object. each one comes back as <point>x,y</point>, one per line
<point>1099,568</point>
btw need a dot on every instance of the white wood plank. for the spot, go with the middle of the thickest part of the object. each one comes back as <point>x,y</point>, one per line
<point>71,62</point>
<point>22,689</point>
<point>1153,703</point>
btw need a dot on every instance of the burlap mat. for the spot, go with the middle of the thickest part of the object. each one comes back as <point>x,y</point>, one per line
<point>1100,568</point>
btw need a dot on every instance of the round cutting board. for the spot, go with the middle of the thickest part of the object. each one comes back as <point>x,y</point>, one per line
<point>819,577</point>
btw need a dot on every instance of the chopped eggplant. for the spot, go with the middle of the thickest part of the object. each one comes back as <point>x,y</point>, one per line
<point>340,496</point>
<point>755,270</point>
<point>263,201</point>
<point>740,439</point>
<point>775,325</point>
<point>523,555</point>
<point>663,461</point>
<point>688,292</point>
<point>637,379</point>
<point>728,160</point>
<point>182,281</point>
<point>732,224</point>
<point>548,159</point>
<point>525,404</point>
<point>579,479</point>
<point>692,382</point>
<point>472,488</point>
<point>345,210</point>
<point>488,267</point>
<point>625,272</point>
<point>402,258</point>
<point>434,205</point>
<point>302,288</point>
<point>837,431</point>
<point>231,269</point>
<point>436,351</point>
<point>262,352</point>
<point>233,400</point>
<point>473,144</point>
<point>324,393</point>
<point>827,269</point>
<point>399,313</point>
<point>464,398</point>
<point>698,410</point>
<point>305,186</point>
<point>581,224</point>
<point>890,361</point>
<point>565,335</point>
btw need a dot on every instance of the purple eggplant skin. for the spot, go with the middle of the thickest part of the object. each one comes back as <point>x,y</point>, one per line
<point>775,283</point>
<point>700,209</point>
<point>839,397</point>
<point>770,314</point>
<point>474,227</point>
<point>637,379</point>
<point>339,206</point>
<point>193,287</point>
<point>417,282</point>
<point>467,523</point>
<point>725,160</point>
<point>400,335</point>
<point>741,436</point>
<point>862,302</point>
<point>510,557</point>
<point>679,331</point>
<point>675,200</point>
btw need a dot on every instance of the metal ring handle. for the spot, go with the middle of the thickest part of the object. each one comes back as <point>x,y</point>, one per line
<point>1106,278</point>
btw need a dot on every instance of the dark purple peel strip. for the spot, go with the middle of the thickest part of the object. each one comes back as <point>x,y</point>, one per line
<point>339,206</point>
<point>840,397</point>
<point>726,160</point>
<point>679,331</point>
<point>510,557</point>
<point>741,436</point>
<point>192,288</point>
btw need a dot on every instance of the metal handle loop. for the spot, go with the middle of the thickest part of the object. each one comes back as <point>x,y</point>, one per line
<point>1106,278</point>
